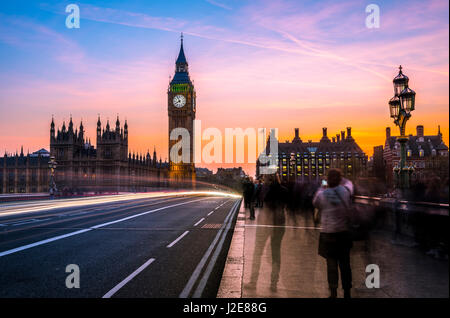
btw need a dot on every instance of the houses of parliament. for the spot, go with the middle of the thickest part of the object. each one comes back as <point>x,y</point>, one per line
<point>81,167</point>
<point>108,167</point>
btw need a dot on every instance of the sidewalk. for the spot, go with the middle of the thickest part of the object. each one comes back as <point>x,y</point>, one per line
<point>277,257</point>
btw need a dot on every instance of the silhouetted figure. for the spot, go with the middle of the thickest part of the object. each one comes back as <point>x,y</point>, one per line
<point>275,202</point>
<point>247,187</point>
<point>258,194</point>
<point>272,220</point>
<point>252,201</point>
<point>433,191</point>
<point>335,241</point>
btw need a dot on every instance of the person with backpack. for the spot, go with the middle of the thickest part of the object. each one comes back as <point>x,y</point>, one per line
<point>333,202</point>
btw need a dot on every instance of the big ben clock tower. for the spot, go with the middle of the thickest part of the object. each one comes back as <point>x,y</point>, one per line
<point>181,111</point>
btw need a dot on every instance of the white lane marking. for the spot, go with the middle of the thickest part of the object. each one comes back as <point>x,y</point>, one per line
<point>210,213</point>
<point>195,275</point>
<point>130,277</point>
<point>21,248</point>
<point>179,238</point>
<point>201,285</point>
<point>200,221</point>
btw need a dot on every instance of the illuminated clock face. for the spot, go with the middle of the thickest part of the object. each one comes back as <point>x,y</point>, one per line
<point>179,101</point>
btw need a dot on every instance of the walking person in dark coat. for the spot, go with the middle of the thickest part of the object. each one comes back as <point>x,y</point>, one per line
<point>335,241</point>
<point>247,188</point>
<point>258,194</point>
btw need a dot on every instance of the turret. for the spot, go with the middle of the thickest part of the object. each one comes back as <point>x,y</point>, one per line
<point>125,130</point>
<point>70,125</point>
<point>81,134</point>
<point>99,128</point>
<point>117,125</point>
<point>52,131</point>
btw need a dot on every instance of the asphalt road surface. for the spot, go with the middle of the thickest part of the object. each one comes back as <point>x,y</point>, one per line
<point>171,246</point>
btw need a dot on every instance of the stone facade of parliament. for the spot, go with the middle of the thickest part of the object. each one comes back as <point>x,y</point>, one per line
<point>81,167</point>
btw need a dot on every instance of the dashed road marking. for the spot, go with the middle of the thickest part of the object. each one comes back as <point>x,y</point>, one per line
<point>130,277</point>
<point>178,239</point>
<point>200,221</point>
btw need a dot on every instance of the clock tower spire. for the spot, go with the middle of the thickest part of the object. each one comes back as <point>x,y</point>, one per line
<point>181,112</point>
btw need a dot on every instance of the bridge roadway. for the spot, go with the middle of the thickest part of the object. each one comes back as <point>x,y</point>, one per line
<point>136,246</point>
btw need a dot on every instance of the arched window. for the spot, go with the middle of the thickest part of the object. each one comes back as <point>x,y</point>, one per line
<point>433,152</point>
<point>421,153</point>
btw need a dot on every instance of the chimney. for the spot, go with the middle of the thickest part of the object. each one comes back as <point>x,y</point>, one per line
<point>419,130</point>
<point>349,132</point>
<point>297,137</point>
<point>388,132</point>
<point>338,137</point>
<point>342,135</point>
<point>324,135</point>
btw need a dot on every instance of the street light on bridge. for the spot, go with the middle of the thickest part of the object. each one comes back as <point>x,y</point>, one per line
<point>52,166</point>
<point>400,107</point>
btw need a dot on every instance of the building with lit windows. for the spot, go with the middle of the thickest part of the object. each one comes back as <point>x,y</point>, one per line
<point>301,161</point>
<point>428,154</point>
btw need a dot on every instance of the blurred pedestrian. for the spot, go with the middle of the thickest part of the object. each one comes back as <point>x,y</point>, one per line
<point>252,199</point>
<point>333,203</point>
<point>433,191</point>
<point>258,194</point>
<point>247,189</point>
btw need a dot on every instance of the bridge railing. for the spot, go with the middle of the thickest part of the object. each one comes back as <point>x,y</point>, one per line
<point>402,205</point>
<point>426,222</point>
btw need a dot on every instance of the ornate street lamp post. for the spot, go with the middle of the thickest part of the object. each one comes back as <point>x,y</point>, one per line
<point>400,107</point>
<point>52,166</point>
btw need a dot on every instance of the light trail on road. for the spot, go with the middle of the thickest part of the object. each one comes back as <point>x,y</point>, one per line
<point>11,209</point>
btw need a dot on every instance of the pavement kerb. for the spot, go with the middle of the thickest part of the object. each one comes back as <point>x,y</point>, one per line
<point>232,277</point>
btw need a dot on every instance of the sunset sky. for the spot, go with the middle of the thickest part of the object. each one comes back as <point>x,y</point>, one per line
<point>272,64</point>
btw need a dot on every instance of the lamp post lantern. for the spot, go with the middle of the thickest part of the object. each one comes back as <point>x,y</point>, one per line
<point>400,108</point>
<point>52,166</point>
